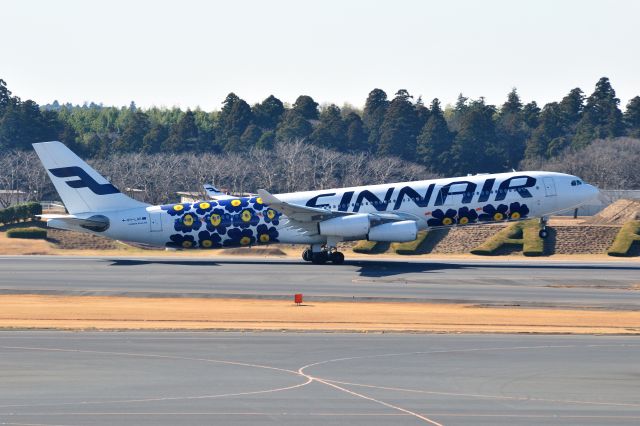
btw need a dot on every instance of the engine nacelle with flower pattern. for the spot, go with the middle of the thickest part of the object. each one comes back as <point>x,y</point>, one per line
<point>353,226</point>
<point>392,232</point>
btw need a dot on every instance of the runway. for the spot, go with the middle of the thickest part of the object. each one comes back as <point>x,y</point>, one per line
<point>61,378</point>
<point>613,285</point>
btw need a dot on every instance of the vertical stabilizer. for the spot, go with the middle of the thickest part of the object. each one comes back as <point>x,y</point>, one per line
<point>81,188</point>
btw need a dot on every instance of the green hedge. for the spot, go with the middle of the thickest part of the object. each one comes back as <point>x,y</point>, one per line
<point>411,246</point>
<point>35,233</point>
<point>523,233</point>
<point>13,214</point>
<point>365,246</point>
<point>627,235</point>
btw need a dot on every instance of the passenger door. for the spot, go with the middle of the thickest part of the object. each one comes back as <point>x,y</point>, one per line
<point>155,221</point>
<point>549,187</point>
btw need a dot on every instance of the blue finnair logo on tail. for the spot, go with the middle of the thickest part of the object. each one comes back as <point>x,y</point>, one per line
<point>84,181</point>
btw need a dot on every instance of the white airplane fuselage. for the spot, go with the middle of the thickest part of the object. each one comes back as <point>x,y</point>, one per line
<point>459,201</point>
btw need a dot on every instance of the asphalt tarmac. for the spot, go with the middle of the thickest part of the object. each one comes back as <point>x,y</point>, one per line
<point>84,378</point>
<point>613,285</point>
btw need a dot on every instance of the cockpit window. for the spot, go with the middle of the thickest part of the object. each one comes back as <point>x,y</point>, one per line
<point>576,182</point>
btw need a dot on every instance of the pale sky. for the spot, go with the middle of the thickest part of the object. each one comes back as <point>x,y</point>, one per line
<point>193,53</point>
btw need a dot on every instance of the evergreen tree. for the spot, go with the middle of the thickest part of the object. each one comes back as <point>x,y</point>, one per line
<point>531,115</point>
<point>5,97</point>
<point>293,126</point>
<point>183,136</point>
<point>132,137</point>
<point>267,140</point>
<point>248,139</point>
<point>601,118</point>
<point>331,132</point>
<point>455,115</point>
<point>435,141</point>
<point>268,113</point>
<point>356,133</point>
<point>306,107</point>
<point>511,131</point>
<point>399,129</point>
<point>152,141</point>
<point>422,113</point>
<point>632,117</point>
<point>571,107</point>
<point>548,136</point>
<point>375,109</point>
<point>10,128</point>
<point>473,147</point>
<point>233,120</point>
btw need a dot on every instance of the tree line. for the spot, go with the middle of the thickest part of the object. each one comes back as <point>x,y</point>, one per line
<point>293,166</point>
<point>155,178</point>
<point>468,137</point>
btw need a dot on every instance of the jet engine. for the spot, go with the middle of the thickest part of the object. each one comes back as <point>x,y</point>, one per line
<point>400,232</point>
<point>351,226</point>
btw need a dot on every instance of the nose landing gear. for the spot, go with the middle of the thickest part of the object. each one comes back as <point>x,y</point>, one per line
<point>543,232</point>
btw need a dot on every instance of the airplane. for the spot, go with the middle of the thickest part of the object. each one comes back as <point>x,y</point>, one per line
<point>389,212</point>
<point>214,193</point>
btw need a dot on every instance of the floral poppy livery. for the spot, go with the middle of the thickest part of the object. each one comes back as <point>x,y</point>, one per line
<point>245,219</point>
<point>466,216</point>
<point>176,209</point>
<point>215,221</point>
<point>242,237</point>
<point>518,211</point>
<point>494,214</point>
<point>207,240</point>
<point>256,203</point>
<point>204,206</point>
<point>235,205</point>
<point>440,218</point>
<point>187,223</point>
<point>267,234</point>
<point>181,241</point>
<point>272,216</point>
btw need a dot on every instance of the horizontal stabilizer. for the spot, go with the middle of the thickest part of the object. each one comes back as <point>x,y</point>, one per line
<point>96,223</point>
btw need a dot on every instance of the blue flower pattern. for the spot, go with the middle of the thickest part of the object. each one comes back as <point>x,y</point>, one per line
<point>247,221</point>
<point>489,213</point>
<point>212,224</point>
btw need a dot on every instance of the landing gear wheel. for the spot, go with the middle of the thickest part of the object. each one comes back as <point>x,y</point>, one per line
<point>336,258</point>
<point>543,233</point>
<point>307,255</point>
<point>320,258</point>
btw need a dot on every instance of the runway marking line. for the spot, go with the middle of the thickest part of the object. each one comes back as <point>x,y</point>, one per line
<point>335,383</point>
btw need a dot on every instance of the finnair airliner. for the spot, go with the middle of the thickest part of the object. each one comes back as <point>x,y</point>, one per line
<point>390,212</point>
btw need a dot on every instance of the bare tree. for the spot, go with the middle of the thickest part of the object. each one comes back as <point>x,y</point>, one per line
<point>607,163</point>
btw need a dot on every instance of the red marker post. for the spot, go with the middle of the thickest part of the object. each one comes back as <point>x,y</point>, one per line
<point>297,298</point>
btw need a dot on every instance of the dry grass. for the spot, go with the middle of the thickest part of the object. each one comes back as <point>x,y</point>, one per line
<point>24,246</point>
<point>80,312</point>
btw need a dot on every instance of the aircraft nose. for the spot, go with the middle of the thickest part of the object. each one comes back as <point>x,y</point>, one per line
<point>592,191</point>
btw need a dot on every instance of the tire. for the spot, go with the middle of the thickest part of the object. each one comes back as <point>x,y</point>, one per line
<point>320,258</point>
<point>307,255</point>
<point>543,233</point>
<point>337,258</point>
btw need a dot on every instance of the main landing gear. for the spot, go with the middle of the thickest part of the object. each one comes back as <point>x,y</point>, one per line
<point>323,256</point>
<point>543,232</point>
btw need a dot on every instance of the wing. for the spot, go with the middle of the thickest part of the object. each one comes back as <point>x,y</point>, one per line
<point>306,218</point>
<point>298,212</point>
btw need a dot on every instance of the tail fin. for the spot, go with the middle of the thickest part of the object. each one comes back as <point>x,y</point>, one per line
<point>81,188</point>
